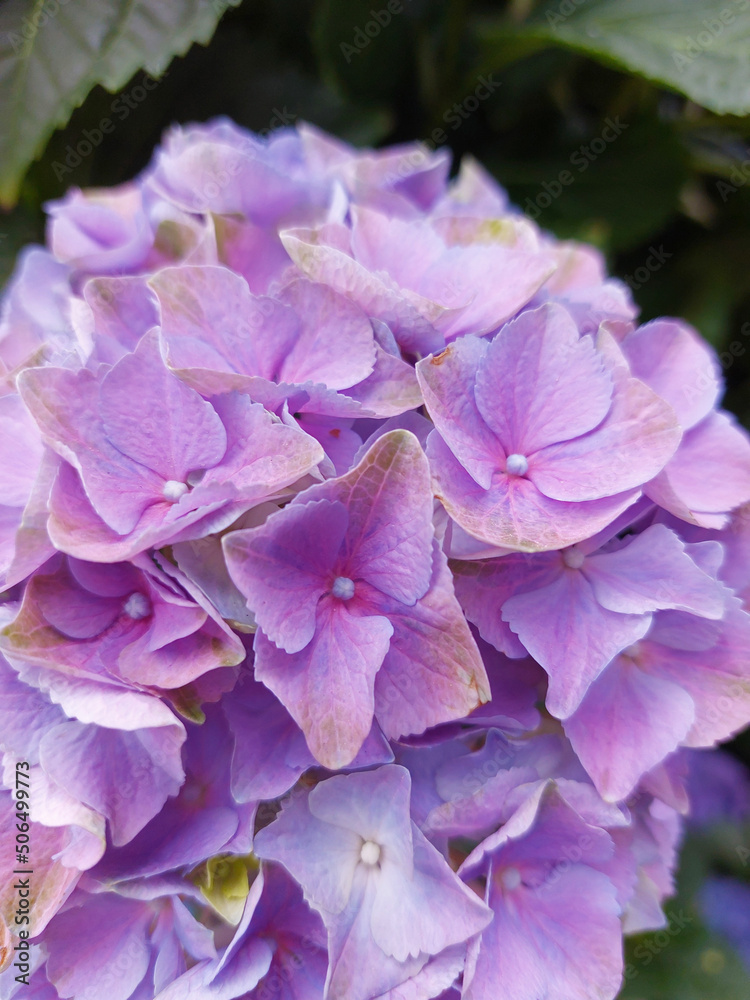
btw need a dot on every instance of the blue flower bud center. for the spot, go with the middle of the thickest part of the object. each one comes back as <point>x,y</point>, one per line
<point>174,490</point>
<point>343,588</point>
<point>516,465</point>
<point>137,606</point>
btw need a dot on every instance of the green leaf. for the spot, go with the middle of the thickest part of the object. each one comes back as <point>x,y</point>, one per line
<point>17,229</point>
<point>699,49</point>
<point>53,52</point>
<point>365,51</point>
<point>617,191</point>
<point>687,960</point>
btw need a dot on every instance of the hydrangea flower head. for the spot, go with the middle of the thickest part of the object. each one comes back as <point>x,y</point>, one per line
<point>368,576</point>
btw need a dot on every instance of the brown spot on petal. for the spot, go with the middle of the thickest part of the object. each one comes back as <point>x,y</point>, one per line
<point>438,359</point>
<point>336,432</point>
<point>6,949</point>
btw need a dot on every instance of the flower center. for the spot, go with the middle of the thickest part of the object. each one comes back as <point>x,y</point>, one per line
<point>516,465</point>
<point>573,557</point>
<point>137,606</point>
<point>343,588</point>
<point>173,490</point>
<point>369,853</point>
<point>510,878</point>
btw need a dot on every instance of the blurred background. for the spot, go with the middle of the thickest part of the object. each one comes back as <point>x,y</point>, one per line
<point>623,123</point>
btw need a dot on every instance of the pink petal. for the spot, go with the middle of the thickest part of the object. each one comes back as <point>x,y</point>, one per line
<point>565,616</point>
<point>75,527</point>
<point>210,319</point>
<point>20,451</point>
<point>519,389</point>
<point>514,514</point>
<point>335,345</point>
<point>389,501</point>
<point>328,686</point>
<point>717,679</point>
<point>561,945</point>
<point>391,389</point>
<point>74,612</point>
<point>433,911</point>
<point>671,358</point>
<point>468,274</point>
<point>152,418</point>
<point>409,315</point>
<point>635,441</point>
<point>627,724</point>
<point>484,587</point>
<point>285,566</point>
<point>263,455</point>
<point>433,672</point>
<point>446,382</point>
<point>98,766</point>
<point>653,571</point>
<point>709,474</point>
<point>124,308</point>
<point>50,884</point>
<point>65,405</point>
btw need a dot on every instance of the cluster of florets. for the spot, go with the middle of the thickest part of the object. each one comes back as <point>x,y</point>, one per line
<point>367,571</point>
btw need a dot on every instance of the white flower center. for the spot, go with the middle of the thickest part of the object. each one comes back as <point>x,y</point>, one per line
<point>573,557</point>
<point>173,490</point>
<point>516,465</point>
<point>510,878</point>
<point>369,852</point>
<point>343,588</point>
<point>137,606</point>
